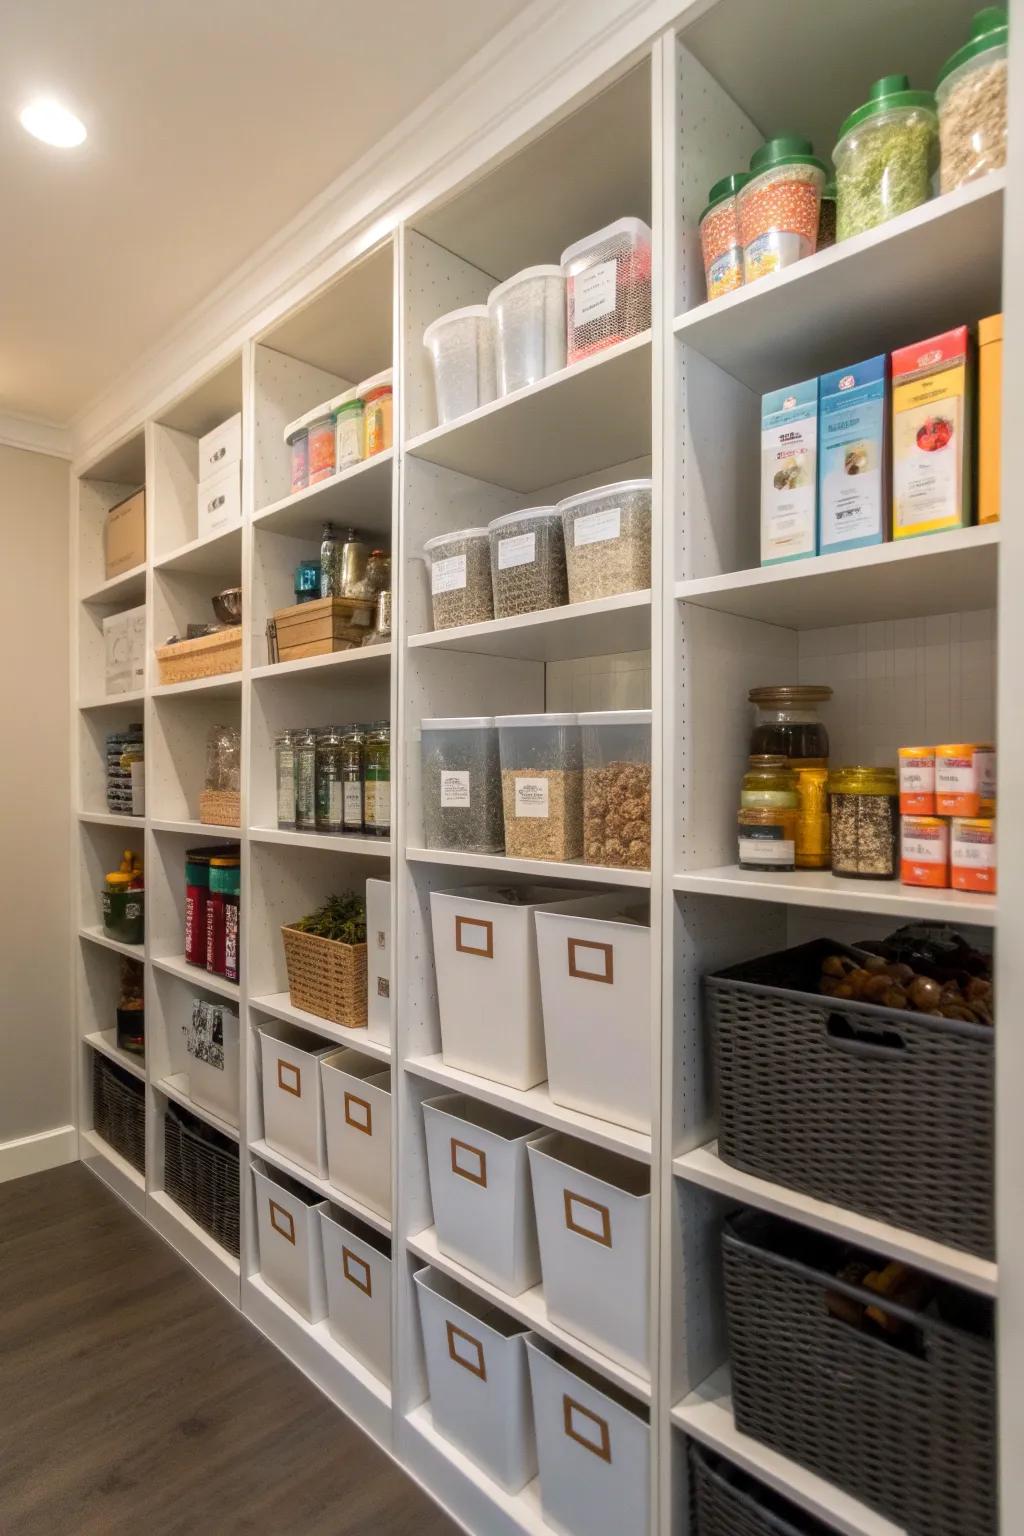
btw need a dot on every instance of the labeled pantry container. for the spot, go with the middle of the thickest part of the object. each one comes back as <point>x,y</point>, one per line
<point>542,786</point>
<point>608,287</point>
<point>460,769</point>
<point>293,1117</point>
<point>291,1255</point>
<point>460,577</point>
<point>357,1269</point>
<point>461,347</point>
<point>972,99</point>
<point>864,806</point>
<point>377,395</point>
<point>357,1122</point>
<point>347,410</point>
<point>527,561</point>
<point>720,243</point>
<point>779,206</point>
<point>607,540</point>
<point>528,319</point>
<point>617,787</point>
<point>886,156</point>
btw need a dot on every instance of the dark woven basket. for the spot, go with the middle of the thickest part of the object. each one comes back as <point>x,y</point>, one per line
<point>728,1503</point>
<point>876,1109</point>
<point>906,1423</point>
<point>201,1175</point>
<point>119,1110</point>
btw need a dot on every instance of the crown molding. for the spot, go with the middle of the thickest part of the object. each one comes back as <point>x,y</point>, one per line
<point>34,435</point>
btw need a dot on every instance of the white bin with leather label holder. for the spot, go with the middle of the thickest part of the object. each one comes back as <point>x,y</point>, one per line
<point>479,1379</point>
<point>595,982</point>
<point>357,1266</point>
<point>293,1116</point>
<point>291,1242</point>
<point>488,985</point>
<point>357,1111</point>
<point>594,1229</point>
<point>378,961</point>
<point>594,1447</point>
<point>480,1189</point>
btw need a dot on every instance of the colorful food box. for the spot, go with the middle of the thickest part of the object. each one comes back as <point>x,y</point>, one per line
<point>853,457</point>
<point>789,473</point>
<point>990,412</point>
<point>931,435</point>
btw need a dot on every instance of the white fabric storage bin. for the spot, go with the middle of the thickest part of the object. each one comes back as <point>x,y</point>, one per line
<point>212,1044</point>
<point>480,1189</point>
<point>357,1266</point>
<point>594,1228</point>
<point>293,1116</point>
<point>488,986</point>
<point>478,1378</point>
<point>378,961</point>
<point>357,1110</point>
<point>593,1445</point>
<point>595,983</point>
<point>291,1242</point>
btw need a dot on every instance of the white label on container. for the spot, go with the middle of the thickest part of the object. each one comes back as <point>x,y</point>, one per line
<point>925,847</point>
<point>454,789</point>
<point>521,549</point>
<point>335,803</point>
<point>593,293</point>
<point>974,847</point>
<point>353,802</point>
<point>767,850</point>
<point>532,797</point>
<point>985,773</point>
<point>448,575</point>
<point>955,776</point>
<point>917,775</point>
<point>596,527</point>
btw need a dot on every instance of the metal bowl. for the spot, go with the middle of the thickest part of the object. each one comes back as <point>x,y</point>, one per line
<point>227,605</point>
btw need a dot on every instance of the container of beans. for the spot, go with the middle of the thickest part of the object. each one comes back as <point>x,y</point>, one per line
<point>461,347</point>
<point>617,787</point>
<point>720,241</point>
<point>461,785</point>
<point>460,577</point>
<point>321,445</point>
<point>971,97</point>
<point>608,287</point>
<point>865,810</point>
<point>296,436</point>
<point>886,156</point>
<point>607,540</point>
<point>527,561</point>
<point>779,206</point>
<point>972,855</point>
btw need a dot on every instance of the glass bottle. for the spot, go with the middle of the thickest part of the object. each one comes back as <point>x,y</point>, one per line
<point>769,814</point>
<point>284,769</point>
<point>329,779</point>
<point>305,780</point>
<point>865,805</point>
<point>377,781</point>
<point>330,562</point>
<point>787,724</point>
<point>352,770</point>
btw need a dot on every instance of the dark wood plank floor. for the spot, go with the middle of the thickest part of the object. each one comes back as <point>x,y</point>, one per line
<point>135,1399</point>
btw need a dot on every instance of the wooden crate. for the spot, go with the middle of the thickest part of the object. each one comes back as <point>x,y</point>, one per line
<point>326,625</point>
<point>207,656</point>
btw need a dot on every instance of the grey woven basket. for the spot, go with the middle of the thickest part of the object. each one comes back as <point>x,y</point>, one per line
<point>876,1109</point>
<point>728,1503</point>
<point>119,1110</point>
<point>201,1175</point>
<point>907,1423</point>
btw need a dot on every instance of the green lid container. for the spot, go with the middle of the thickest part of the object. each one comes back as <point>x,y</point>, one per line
<point>889,94</point>
<point>788,150</point>
<point>727,187</point>
<point>989,29</point>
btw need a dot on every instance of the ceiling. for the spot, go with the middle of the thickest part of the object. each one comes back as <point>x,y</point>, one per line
<point>211,124</point>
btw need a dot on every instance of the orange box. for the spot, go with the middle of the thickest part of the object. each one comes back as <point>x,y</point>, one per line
<point>924,851</point>
<point>917,781</point>
<point>973,854</point>
<point>957,791</point>
<point>990,415</point>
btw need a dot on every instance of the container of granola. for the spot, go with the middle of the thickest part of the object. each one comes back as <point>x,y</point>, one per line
<point>779,206</point>
<point>460,577</point>
<point>527,561</point>
<point>607,535</point>
<point>971,97</point>
<point>541,786</point>
<point>617,787</point>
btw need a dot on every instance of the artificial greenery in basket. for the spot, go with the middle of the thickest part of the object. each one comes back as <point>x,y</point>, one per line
<point>325,954</point>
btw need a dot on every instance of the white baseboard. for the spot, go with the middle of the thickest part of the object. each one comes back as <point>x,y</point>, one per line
<point>34,1154</point>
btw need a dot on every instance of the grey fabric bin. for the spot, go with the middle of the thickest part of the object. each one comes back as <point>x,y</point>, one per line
<point>727,1502</point>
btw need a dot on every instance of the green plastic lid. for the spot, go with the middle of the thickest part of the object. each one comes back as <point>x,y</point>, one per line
<point>887,95</point>
<point>347,408</point>
<point>989,29</point>
<point>790,150</point>
<point>727,187</point>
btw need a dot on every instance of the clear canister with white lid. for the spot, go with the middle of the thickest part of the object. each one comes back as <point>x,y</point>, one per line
<point>461,347</point>
<point>461,784</point>
<point>527,561</point>
<point>528,317</point>
<point>617,787</point>
<point>460,577</point>
<point>542,785</point>
<point>607,535</point>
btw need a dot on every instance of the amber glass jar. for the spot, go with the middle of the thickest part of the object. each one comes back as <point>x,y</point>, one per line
<point>769,814</point>
<point>787,725</point>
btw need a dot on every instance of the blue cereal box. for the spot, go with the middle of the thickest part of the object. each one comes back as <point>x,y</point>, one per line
<point>789,473</point>
<point>853,456</point>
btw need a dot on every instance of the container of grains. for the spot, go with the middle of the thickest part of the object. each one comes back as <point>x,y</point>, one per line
<point>865,807</point>
<point>460,577</point>
<point>720,241</point>
<point>886,156</point>
<point>971,97</point>
<point>779,206</point>
<point>607,535</point>
<point>827,216</point>
<point>617,787</point>
<point>321,445</point>
<point>461,347</point>
<point>461,779</point>
<point>608,287</point>
<point>527,561</point>
<point>541,786</point>
<point>296,436</point>
<point>528,319</point>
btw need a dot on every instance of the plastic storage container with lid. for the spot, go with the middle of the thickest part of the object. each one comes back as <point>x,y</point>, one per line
<point>607,535</point>
<point>865,811</point>
<point>885,156</point>
<point>528,317</point>
<point>720,241</point>
<point>321,444</point>
<point>971,97</point>
<point>461,347</point>
<point>780,206</point>
<point>347,410</point>
<point>460,577</point>
<point>461,784</point>
<point>608,287</point>
<point>296,436</point>
<point>377,398</point>
<point>617,787</point>
<point>541,786</point>
<point>527,561</point>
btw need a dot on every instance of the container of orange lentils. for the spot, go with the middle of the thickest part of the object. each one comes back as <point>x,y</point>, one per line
<point>720,241</point>
<point>779,206</point>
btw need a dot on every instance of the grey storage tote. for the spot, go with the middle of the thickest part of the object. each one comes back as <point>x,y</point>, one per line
<point>729,1503</point>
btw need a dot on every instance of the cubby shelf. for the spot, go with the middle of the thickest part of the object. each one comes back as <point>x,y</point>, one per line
<point>119,591</point>
<point>112,819</point>
<point>369,659</point>
<point>821,889</point>
<point>114,700</point>
<point>177,965</point>
<point>208,556</point>
<point>226,686</point>
<point>95,934</point>
<point>360,494</point>
<point>574,869</point>
<point>278,1005</point>
<point>521,1512</point>
<point>336,842</point>
<point>323,1187</point>
<point>176,1087</point>
<point>196,829</point>
<point>605,626</point>
<point>105,1041</point>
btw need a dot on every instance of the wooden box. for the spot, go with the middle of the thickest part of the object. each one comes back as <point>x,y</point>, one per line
<point>326,625</point>
<point>206,656</point>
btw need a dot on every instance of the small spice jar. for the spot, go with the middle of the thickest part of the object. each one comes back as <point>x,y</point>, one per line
<point>305,780</point>
<point>917,781</point>
<point>284,779</point>
<point>720,241</point>
<point>378,408</point>
<point>885,156</point>
<point>347,410</point>
<point>864,806</point>
<point>617,787</point>
<point>972,102</point>
<point>769,814</point>
<point>296,436</point>
<point>321,445</point>
<point>779,206</point>
<point>461,779</point>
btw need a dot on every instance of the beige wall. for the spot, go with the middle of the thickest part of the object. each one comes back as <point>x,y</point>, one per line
<point>35,905</point>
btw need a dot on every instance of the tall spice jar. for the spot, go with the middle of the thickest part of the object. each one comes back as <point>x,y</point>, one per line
<point>329,780</point>
<point>788,725</point>
<point>352,766</point>
<point>377,781</point>
<point>284,778</point>
<point>305,780</point>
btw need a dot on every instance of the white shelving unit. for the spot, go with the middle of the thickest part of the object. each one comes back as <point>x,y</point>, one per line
<point>908,636</point>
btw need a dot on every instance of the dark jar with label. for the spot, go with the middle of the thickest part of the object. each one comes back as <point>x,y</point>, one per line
<point>768,816</point>
<point>197,891</point>
<point>224,884</point>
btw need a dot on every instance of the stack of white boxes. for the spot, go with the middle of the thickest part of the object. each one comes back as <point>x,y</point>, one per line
<point>219,492</point>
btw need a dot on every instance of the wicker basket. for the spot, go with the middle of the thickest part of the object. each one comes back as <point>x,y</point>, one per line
<point>326,978</point>
<point>729,1503</point>
<point>201,1175</point>
<point>907,1423</point>
<point>220,808</point>
<point>206,656</point>
<point>875,1109</point>
<point>119,1110</point>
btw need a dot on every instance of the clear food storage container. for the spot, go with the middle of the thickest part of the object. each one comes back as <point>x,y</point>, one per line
<point>541,786</point>
<point>527,561</point>
<point>528,319</point>
<point>461,784</point>
<point>460,577</point>
<point>296,436</point>
<point>971,97</point>
<point>378,403</point>
<point>617,787</point>
<point>321,445</point>
<point>720,241</point>
<point>607,535</point>
<point>608,287</point>
<point>780,206</point>
<point>347,410</point>
<point>461,347</point>
<point>885,156</point>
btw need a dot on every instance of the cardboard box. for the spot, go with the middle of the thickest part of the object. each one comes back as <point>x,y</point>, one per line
<point>220,448</point>
<point>931,435</point>
<point>219,502</point>
<point>853,456</point>
<point>990,416</point>
<point>789,473</point>
<point>125,535</point>
<point>124,644</point>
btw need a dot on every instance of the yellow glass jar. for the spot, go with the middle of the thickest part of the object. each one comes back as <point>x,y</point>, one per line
<point>864,804</point>
<point>769,815</point>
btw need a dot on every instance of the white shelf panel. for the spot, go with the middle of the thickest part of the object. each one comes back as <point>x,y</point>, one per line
<point>369,660</point>
<point>703,1166</point>
<point>819,888</point>
<point>359,495</point>
<point>125,590</point>
<point>530,1308</point>
<point>279,1006</point>
<point>114,700</point>
<point>112,819</point>
<point>227,685</point>
<point>96,935</point>
<point>907,579</point>
<point>113,1169</point>
<point>176,1087</point>
<point>197,829</point>
<point>535,1104</point>
<point>105,1041</point>
<point>372,847</point>
<point>575,422</point>
<point>604,627</point>
<point>177,965</point>
<point>209,556</point>
<point>520,1513</point>
<point>325,1190</point>
<point>575,869</point>
<point>707,1415</point>
<point>828,310</point>
<point>220,1268</point>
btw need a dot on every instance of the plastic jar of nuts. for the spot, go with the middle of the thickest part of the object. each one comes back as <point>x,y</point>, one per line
<point>971,96</point>
<point>541,786</point>
<point>607,540</point>
<point>460,577</point>
<point>779,206</point>
<point>617,787</point>
<point>527,561</point>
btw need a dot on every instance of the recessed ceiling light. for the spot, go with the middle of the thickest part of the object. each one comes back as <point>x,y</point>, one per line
<point>54,124</point>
